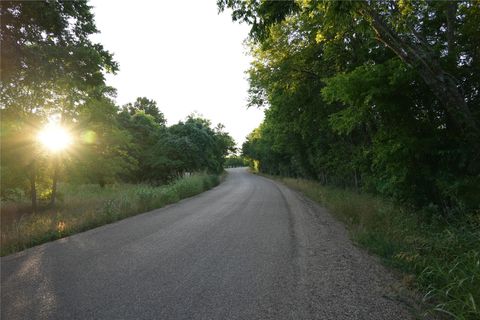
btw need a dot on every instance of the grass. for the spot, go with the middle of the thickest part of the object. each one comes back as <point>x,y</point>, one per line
<point>440,259</point>
<point>83,207</point>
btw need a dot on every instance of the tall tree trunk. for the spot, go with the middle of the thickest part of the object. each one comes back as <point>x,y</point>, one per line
<point>450,14</point>
<point>355,178</point>
<point>56,169</point>
<point>33,187</point>
<point>420,56</point>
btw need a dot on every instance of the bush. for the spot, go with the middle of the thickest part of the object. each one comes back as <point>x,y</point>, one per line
<point>190,186</point>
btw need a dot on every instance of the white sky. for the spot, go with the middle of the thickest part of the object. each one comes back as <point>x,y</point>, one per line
<point>183,55</point>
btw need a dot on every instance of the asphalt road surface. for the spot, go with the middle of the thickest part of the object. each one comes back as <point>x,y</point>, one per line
<point>247,249</point>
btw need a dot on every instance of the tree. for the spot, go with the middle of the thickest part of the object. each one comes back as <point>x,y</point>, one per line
<point>234,161</point>
<point>145,132</point>
<point>48,60</point>
<point>101,154</point>
<point>49,66</point>
<point>345,108</point>
<point>189,146</point>
<point>146,105</point>
<point>409,30</point>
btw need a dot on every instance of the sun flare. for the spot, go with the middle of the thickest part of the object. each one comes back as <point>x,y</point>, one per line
<point>55,138</point>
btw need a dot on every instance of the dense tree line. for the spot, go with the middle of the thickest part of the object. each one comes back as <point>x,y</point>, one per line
<point>382,96</point>
<point>235,161</point>
<point>51,69</point>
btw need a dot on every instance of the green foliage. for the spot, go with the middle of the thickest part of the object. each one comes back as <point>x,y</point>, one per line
<point>45,41</point>
<point>235,161</point>
<point>145,132</point>
<point>148,107</point>
<point>101,154</point>
<point>49,67</point>
<point>349,112</point>
<point>189,146</point>
<point>260,14</point>
<point>191,187</point>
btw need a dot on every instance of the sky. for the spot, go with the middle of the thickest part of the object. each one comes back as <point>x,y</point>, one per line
<point>182,54</point>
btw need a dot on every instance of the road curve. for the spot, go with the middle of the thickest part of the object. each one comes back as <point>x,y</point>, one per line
<point>247,249</point>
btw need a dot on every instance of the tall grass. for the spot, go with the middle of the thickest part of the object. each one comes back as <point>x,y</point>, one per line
<point>439,258</point>
<point>83,207</point>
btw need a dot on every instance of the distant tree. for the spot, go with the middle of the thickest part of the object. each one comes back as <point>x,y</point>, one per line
<point>102,151</point>
<point>234,161</point>
<point>188,147</point>
<point>145,131</point>
<point>146,105</point>
<point>225,145</point>
<point>171,157</point>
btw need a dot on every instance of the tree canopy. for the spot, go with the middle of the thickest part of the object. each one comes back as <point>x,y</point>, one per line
<point>53,73</point>
<point>382,96</point>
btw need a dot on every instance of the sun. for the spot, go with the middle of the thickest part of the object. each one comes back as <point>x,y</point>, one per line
<point>55,138</point>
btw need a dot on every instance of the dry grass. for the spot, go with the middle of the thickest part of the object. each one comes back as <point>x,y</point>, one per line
<point>83,207</point>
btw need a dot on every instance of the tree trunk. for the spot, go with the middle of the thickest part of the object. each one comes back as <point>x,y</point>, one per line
<point>450,14</point>
<point>420,56</point>
<point>355,178</point>
<point>33,187</point>
<point>56,169</point>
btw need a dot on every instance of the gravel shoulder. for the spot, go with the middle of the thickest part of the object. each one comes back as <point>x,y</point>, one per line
<point>341,280</point>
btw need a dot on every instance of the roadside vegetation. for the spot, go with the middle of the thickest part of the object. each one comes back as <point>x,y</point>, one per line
<point>438,257</point>
<point>235,161</point>
<point>381,98</point>
<point>83,207</point>
<point>71,158</point>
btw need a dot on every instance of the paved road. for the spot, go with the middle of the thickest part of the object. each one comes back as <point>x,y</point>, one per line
<point>248,249</point>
